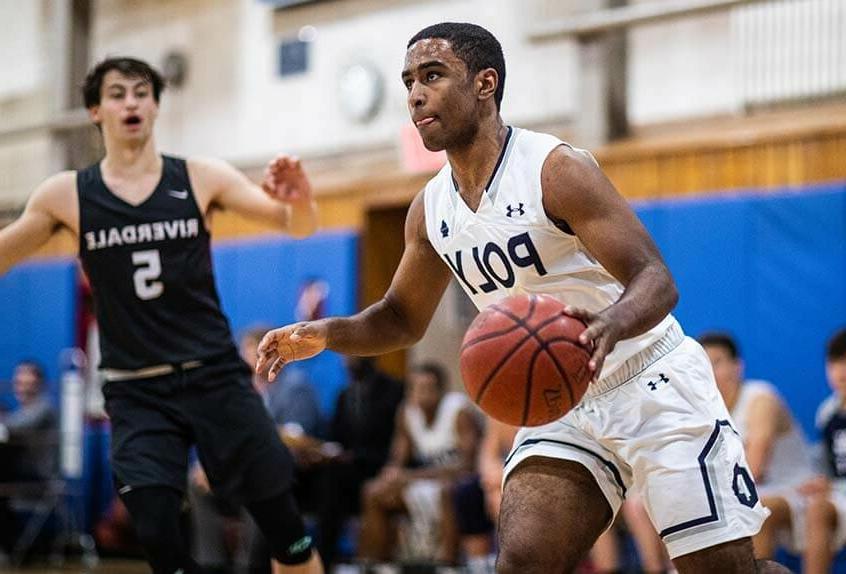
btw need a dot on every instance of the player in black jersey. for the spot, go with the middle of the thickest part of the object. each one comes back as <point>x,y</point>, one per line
<point>174,377</point>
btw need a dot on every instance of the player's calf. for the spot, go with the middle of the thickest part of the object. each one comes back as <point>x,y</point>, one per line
<point>155,512</point>
<point>280,522</point>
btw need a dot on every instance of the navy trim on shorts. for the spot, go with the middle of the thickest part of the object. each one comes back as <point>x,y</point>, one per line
<point>709,491</point>
<point>616,473</point>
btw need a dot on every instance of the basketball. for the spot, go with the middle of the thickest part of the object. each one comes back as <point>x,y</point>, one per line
<point>521,360</point>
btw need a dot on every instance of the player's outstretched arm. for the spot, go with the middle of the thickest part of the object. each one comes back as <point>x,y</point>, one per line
<point>284,200</point>
<point>37,223</point>
<point>576,191</point>
<point>396,321</point>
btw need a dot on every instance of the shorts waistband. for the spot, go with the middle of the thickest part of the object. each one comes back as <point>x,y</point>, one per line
<point>148,372</point>
<point>639,362</point>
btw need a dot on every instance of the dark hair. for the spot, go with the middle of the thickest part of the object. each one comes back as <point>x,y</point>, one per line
<point>836,348</point>
<point>129,67</point>
<point>719,339</point>
<point>33,367</point>
<point>477,47</point>
<point>434,370</point>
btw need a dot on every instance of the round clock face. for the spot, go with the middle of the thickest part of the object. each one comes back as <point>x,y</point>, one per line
<point>360,92</point>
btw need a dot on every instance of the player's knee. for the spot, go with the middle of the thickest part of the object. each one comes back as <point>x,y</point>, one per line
<point>522,558</point>
<point>155,517</point>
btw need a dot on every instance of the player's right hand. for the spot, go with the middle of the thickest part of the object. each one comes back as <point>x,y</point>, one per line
<point>287,344</point>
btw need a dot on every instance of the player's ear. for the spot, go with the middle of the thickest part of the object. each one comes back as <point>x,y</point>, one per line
<point>486,82</point>
<point>94,114</point>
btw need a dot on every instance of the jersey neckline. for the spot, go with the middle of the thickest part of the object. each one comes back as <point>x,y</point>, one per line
<point>493,180</point>
<point>122,200</point>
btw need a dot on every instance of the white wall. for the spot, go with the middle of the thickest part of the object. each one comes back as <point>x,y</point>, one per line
<point>681,69</point>
<point>20,47</point>
<point>234,105</point>
<point>23,97</point>
<point>199,118</point>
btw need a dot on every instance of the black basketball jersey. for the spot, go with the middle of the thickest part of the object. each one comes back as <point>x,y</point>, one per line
<point>150,270</point>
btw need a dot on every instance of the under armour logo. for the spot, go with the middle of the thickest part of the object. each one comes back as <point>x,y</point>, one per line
<point>444,228</point>
<point>512,210</point>
<point>653,385</point>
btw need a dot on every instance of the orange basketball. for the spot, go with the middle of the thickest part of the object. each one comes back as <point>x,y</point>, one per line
<point>522,362</point>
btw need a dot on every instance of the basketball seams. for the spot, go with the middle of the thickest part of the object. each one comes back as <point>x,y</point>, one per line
<point>489,336</point>
<point>530,379</point>
<point>522,317</point>
<point>517,323</point>
<point>534,332</point>
<point>507,356</point>
<point>561,370</point>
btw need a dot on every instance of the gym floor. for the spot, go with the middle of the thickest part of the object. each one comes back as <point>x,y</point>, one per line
<point>104,567</point>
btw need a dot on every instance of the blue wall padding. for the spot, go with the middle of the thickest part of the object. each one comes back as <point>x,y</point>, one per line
<point>38,304</point>
<point>260,279</point>
<point>768,267</point>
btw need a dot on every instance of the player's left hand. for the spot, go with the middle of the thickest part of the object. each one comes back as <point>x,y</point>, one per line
<point>602,332</point>
<point>285,180</point>
<point>287,344</point>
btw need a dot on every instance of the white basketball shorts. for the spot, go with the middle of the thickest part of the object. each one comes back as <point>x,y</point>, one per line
<point>658,427</point>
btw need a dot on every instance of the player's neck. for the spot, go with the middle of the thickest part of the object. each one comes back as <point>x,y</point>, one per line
<point>473,164</point>
<point>731,396</point>
<point>126,161</point>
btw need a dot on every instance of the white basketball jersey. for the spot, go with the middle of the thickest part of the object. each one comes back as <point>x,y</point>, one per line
<point>510,246</point>
<point>790,460</point>
<point>435,444</point>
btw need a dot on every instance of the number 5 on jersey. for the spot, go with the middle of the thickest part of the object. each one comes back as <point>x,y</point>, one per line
<point>149,268</point>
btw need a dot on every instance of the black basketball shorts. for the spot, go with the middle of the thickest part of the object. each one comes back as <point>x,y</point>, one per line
<point>155,422</point>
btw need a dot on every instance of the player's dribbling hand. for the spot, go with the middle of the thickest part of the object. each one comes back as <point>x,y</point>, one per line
<point>285,180</point>
<point>601,332</point>
<point>287,344</point>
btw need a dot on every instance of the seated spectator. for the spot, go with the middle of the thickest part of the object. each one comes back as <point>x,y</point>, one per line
<point>28,441</point>
<point>776,450</point>
<point>435,442</point>
<point>361,431</point>
<point>824,518</point>
<point>224,534</point>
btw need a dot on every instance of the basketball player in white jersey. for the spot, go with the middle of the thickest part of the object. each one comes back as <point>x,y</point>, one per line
<point>436,431</point>
<point>520,212</point>
<point>776,449</point>
<point>174,377</point>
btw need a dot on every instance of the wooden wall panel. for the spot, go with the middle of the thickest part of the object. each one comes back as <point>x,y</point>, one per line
<point>382,245</point>
<point>790,148</point>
